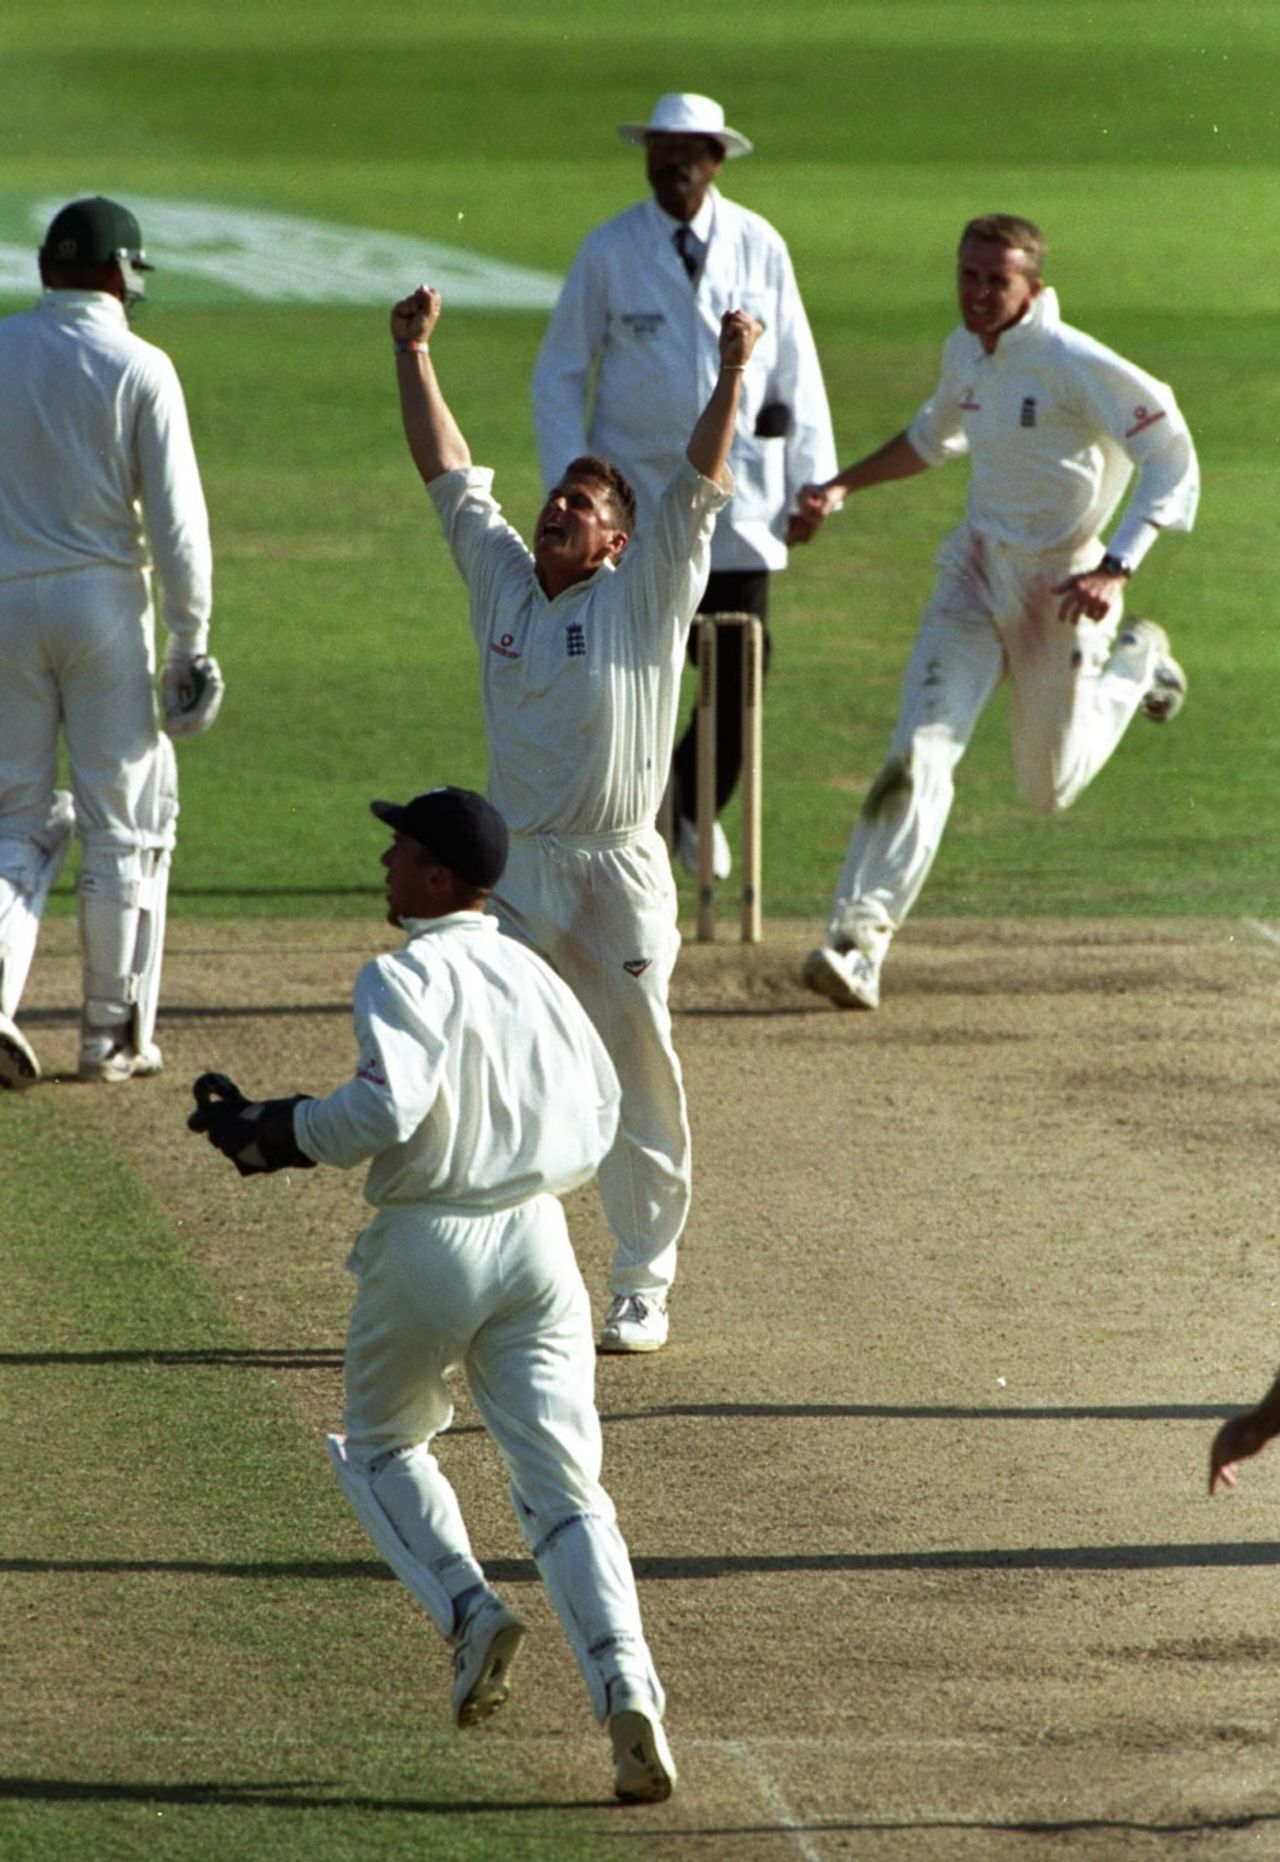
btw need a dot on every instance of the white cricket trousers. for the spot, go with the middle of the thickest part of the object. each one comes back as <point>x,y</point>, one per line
<point>992,614</point>
<point>499,1294</point>
<point>77,656</point>
<point>602,911</point>
<point>77,660</point>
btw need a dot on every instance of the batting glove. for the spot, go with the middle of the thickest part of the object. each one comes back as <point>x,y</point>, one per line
<point>191,688</point>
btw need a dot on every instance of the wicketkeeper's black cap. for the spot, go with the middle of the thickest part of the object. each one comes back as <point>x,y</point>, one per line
<point>89,232</point>
<point>462,830</point>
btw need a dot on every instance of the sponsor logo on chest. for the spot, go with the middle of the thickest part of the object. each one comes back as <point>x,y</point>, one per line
<point>643,322</point>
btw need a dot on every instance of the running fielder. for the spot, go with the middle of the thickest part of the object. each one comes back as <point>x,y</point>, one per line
<point>1054,425</point>
<point>481,1095</point>
<point>93,440</point>
<point>581,642</point>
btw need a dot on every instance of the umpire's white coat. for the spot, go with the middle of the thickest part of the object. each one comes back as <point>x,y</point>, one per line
<point>628,305</point>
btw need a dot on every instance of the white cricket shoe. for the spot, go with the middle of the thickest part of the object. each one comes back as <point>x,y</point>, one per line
<point>482,1658</point>
<point>1165,695</point>
<point>19,1067</point>
<point>643,1769</point>
<point>107,1058</point>
<point>634,1322</point>
<point>848,978</point>
<point>687,839</point>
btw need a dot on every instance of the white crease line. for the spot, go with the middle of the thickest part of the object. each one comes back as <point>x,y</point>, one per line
<point>1267,932</point>
<point>787,1819</point>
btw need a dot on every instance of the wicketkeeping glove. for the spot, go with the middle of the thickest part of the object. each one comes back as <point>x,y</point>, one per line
<point>191,688</point>
<point>257,1135</point>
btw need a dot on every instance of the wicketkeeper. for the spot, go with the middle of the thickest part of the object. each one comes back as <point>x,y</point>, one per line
<point>481,1094</point>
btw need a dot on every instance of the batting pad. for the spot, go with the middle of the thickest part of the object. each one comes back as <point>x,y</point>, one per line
<point>585,1568</point>
<point>421,1584</point>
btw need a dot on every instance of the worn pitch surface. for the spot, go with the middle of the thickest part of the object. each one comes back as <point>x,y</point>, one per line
<point>916,1494</point>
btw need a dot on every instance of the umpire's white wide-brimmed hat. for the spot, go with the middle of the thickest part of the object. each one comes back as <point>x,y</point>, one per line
<point>684,113</point>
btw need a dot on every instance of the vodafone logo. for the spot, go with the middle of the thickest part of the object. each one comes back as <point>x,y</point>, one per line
<point>504,646</point>
<point>1144,417</point>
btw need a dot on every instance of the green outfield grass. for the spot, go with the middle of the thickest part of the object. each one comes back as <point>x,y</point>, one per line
<point>879,129</point>
<point>151,1699</point>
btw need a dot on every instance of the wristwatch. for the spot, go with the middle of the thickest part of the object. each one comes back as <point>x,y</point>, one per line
<point>1113,565</point>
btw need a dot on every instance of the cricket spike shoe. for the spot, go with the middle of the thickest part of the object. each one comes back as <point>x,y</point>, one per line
<point>1167,691</point>
<point>482,1658</point>
<point>19,1067</point>
<point>848,978</point>
<point>643,1769</point>
<point>107,1057</point>
<point>634,1322</point>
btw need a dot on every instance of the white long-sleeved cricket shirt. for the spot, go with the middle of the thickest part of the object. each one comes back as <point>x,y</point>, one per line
<point>480,1080</point>
<point>1054,424</point>
<point>94,439</point>
<point>579,694</point>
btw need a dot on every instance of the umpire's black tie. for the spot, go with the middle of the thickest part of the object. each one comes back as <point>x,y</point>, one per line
<point>687,246</point>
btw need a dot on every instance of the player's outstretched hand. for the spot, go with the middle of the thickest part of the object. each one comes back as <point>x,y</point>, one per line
<point>415,317</point>
<point>816,502</point>
<point>802,527</point>
<point>1089,596</point>
<point>738,334</point>
<point>1235,1442</point>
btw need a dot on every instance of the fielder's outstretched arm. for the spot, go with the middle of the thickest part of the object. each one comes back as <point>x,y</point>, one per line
<point>434,436</point>
<point>712,436</point>
<point>897,458</point>
<point>1243,1436</point>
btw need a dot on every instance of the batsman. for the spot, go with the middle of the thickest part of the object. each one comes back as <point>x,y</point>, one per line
<point>481,1094</point>
<point>98,486</point>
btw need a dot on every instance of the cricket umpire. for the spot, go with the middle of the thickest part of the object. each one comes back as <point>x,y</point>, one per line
<point>632,352</point>
<point>481,1094</point>
<point>94,443</point>
<point>581,642</point>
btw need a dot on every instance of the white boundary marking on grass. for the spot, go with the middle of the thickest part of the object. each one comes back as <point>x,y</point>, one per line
<point>284,258</point>
<point>1267,933</point>
<point>787,1819</point>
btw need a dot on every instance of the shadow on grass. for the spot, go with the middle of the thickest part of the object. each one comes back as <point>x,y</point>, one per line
<point>327,1357</point>
<point>175,1016</point>
<point>1238,1554</point>
<point>310,1794</point>
<point>235,1357</point>
<point>279,1794</point>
